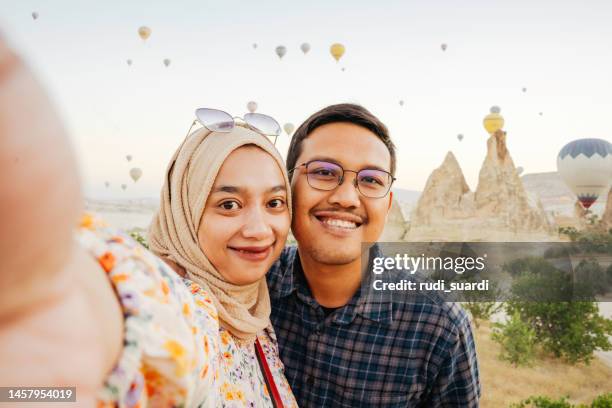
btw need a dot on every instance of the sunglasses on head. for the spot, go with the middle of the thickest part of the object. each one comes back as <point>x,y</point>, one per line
<point>217,120</point>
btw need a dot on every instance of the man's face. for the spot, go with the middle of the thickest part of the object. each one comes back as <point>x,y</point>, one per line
<point>330,226</point>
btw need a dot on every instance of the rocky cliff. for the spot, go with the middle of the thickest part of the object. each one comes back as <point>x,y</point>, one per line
<point>499,209</point>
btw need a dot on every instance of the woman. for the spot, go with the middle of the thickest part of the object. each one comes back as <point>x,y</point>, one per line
<point>223,221</point>
<point>150,337</point>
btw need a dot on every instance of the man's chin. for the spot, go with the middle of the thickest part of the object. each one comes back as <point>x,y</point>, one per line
<point>326,257</point>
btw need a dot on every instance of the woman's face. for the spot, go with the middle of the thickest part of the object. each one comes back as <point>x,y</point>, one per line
<point>246,219</point>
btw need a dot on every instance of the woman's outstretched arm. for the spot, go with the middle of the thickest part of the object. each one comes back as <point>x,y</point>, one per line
<point>60,323</point>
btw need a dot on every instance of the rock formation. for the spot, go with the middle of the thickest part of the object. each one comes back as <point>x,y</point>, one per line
<point>446,195</point>
<point>499,209</point>
<point>500,192</point>
<point>606,218</point>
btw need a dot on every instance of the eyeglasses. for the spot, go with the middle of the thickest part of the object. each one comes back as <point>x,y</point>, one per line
<point>217,120</point>
<point>323,175</point>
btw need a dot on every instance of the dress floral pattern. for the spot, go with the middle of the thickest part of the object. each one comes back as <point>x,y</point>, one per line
<point>175,354</point>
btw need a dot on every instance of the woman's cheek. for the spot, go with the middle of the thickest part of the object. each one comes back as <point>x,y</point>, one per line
<point>283,223</point>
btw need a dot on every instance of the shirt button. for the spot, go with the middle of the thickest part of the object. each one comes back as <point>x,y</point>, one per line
<point>310,380</point>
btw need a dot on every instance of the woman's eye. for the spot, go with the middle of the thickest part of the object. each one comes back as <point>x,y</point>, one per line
<point>229,205</point>
<point>276,203</point>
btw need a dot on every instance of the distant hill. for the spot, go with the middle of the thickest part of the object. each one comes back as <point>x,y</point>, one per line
<point>554,194</point>
<point>406,196</point>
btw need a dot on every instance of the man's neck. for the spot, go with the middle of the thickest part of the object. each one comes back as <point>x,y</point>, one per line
<point>331,285</point>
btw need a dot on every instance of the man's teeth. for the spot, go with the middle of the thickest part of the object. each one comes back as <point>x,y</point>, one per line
<point>340,223</point>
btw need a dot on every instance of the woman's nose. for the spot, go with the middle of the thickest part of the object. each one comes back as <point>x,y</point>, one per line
<point>256,226</point>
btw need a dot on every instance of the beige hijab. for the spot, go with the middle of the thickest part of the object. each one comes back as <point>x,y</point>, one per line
<point>173,235</point>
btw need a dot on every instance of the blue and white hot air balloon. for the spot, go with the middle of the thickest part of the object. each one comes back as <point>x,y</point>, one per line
<point>585,165</point>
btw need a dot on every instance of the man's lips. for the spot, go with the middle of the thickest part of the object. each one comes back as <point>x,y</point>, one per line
<point>338,215</point>
<point>336,220</point>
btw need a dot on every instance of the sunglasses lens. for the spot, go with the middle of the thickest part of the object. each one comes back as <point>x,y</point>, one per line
<point>215,120</point>
<point>263,123</point>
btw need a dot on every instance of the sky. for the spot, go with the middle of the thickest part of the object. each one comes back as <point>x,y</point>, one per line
<point>561,51</point>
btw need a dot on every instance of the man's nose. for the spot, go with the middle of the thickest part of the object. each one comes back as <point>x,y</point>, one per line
<point>346,194</point>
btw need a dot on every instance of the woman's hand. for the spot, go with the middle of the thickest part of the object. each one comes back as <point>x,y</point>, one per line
<point>60,323</point>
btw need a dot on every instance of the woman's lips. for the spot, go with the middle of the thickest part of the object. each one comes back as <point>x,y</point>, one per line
<point>253,253</point>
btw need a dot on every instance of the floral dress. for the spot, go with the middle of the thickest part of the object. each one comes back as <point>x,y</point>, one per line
<point>174,354</point>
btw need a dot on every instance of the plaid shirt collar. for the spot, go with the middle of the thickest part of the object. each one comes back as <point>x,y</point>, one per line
<point>373,306</point>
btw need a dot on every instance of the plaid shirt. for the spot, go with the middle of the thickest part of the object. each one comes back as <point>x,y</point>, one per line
<point>371,352</point>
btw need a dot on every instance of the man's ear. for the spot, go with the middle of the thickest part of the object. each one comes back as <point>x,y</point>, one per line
<point>390,201</point>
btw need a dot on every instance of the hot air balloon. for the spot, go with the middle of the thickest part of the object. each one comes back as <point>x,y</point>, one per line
<point>281,50</point>
<point>519,170</point>
<point>167,62</point>
<point>34,15</point>
<point>129,157</point>
<point>460,137</point>
<point>129,62</point>
<point>124,186</point>
<point>289,128</point>
<point>401,102</point>
<point>254,46</point>
<point>585,165</point>
<point>493,121</point>
<point>443,46</point>
<point>305,47</point>
<point>337,51</point>
<point>135,174</point>
<point>144,32</point>
<point>252,106</point>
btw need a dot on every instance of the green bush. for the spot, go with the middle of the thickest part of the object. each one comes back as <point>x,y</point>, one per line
<point>589,273</point>
<point>532,264</point>
<point>517,340</point>
<point>602,401</point>
<point>481,304</point>
<point>567,328</point>
<point>481,310</point>
<point>543,402</point>
<point>609,274</point>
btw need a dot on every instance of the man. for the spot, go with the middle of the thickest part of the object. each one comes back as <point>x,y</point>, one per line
<point>341,347</point>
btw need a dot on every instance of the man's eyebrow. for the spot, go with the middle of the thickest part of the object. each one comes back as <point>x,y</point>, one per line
<point>242,190</point>
<point>332,160</point>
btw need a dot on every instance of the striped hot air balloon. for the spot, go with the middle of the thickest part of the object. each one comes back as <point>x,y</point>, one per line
<point>585,165</point>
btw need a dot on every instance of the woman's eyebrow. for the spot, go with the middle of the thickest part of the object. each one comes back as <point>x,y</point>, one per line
<point>242,190</point>
<point>227,189</point>
<point>280,187</point>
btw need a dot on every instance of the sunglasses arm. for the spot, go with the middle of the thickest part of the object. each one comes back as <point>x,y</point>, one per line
<point>191,127</point>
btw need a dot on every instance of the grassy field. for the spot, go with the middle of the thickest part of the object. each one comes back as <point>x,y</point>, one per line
<point>503,384</point>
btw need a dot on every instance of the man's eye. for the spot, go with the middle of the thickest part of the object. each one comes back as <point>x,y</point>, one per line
<point>276,203</point>
<point>371,180</point>
<point>230,205</point>
<point>323,172</point>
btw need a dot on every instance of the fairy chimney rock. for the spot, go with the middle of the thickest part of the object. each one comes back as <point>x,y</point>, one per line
<point>444,194</point>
